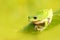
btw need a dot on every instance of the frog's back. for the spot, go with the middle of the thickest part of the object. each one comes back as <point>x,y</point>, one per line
<point>45,13</point>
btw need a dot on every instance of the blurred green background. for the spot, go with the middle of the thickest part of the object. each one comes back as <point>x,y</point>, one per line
<point>13,19</point>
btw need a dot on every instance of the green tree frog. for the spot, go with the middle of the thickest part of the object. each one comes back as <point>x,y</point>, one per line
<point>42,19</point>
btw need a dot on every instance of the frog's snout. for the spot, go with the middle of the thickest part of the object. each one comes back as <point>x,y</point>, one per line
<point>34,17</point>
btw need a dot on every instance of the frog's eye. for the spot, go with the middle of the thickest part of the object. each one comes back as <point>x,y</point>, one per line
<point>35,17</point>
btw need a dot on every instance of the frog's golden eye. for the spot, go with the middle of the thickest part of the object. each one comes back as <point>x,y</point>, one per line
<point>35,17</point>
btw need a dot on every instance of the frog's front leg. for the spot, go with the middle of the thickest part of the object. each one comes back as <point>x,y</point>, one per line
<point>38,27</point>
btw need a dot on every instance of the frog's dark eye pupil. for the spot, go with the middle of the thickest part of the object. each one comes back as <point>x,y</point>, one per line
<point>35,17</point>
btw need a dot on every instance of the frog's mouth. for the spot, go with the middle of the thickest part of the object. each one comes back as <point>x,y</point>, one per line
<point>39,23</point>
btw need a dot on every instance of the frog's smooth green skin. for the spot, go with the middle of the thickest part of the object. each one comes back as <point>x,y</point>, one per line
<point>42,16</point>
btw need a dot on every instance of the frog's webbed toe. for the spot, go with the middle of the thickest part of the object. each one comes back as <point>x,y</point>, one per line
<point>39,28</point>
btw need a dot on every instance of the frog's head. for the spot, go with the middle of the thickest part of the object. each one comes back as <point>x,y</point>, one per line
<point>39,16</point>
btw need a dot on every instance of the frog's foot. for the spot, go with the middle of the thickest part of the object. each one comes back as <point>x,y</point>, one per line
<point>39,28</point>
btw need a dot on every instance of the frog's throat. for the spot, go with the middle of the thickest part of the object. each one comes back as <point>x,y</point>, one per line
<point>40,24</point>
